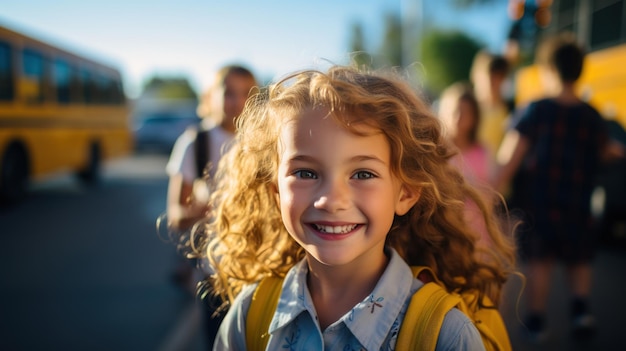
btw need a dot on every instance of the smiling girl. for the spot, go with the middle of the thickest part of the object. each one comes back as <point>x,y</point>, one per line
<point>337,182</point>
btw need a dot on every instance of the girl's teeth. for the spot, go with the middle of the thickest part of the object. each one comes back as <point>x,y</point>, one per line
<point>335,229</point>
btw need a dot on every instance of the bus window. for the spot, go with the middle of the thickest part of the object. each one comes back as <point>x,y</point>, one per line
<point>33,84</point>
<point>606,25</point>
<point>567,15</point>
<point>120,98</point>
<point>87,84</point>
<point>111,90</point>
<point>76,85</point>
<point>6,73</point>
<point>106,92</point>
<point>61,80</point>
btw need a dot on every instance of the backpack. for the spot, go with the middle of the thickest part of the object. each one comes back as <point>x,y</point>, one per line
<point>421,325</point>
<point>202,151</point>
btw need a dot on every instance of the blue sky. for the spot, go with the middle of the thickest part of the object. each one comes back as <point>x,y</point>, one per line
<point>194,37</point>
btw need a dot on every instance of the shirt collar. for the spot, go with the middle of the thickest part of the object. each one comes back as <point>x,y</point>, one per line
<point>370,320</point>
<point>294,297</point>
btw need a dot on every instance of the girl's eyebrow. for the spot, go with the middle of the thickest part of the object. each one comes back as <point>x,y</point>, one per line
<point>362,158</point>
<point>357,158</point>
<point>300,157</point>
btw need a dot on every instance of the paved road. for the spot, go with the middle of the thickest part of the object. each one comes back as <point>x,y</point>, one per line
<point>83,269</point>
<point>607,303</point>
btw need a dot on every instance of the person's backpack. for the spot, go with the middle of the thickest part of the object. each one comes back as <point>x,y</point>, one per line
<point>202,151</point>
<point>420,328</point>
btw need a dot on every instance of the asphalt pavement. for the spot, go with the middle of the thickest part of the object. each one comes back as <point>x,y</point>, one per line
<point>83,268</point>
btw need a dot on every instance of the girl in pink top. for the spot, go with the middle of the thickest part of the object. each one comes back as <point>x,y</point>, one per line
<point>460,113</point>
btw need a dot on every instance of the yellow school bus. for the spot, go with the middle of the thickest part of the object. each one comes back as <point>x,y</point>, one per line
<point>59,112</point>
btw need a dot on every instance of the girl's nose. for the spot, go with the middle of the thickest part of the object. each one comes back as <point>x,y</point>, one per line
<point>334,196</point>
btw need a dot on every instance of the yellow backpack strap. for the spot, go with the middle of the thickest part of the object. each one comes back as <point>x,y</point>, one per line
<point>262,308</point>
<point>424,316</point>
<point>492,329</point>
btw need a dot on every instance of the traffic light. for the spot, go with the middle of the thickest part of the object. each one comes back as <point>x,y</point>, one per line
<point>539,9</point>
<point>516,9</point>
<point>543,15</point>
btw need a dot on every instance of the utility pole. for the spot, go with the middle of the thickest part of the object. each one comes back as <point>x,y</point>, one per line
<point>411,16</point>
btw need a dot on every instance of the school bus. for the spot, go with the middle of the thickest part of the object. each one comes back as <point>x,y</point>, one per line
<point>601,27</point>
<point>59,112</point>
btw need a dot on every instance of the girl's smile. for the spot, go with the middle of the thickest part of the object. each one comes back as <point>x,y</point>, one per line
<point>334,232</point>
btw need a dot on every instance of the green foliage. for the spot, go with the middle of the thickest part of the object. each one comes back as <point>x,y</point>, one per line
<point>444,56</point>
<point>391,50</point>
<point>447,58</point>
<point>360,56</point>
<point>169,88</point>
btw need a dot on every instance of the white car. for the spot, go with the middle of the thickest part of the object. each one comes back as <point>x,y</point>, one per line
<point>159,131</point>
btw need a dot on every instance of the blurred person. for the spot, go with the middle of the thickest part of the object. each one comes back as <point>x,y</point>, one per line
<point>218,108</point>
<point>488,75</point>
<point>460,113</point>
<point>339,181</point>
<point>554,151</point>
<point>190,167</point>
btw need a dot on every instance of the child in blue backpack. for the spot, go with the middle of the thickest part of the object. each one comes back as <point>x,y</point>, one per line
<point>338,181</point>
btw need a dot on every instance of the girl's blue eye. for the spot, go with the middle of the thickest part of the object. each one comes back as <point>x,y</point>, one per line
<point>305,174</point>
<point>363,175</point>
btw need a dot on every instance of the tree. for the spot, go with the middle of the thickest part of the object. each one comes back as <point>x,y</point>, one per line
<point>444,56</point>
<point>169,88</point>
<point>447,58</point>
<point>360,56</point>
<point>391,49</point>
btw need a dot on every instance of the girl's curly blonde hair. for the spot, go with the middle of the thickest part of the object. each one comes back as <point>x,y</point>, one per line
<point>246,239</point>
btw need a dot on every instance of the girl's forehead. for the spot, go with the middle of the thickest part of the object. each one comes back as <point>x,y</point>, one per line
<point>347,120</point>
<point>314,126</point>
<point>317,124</point>
<point>307,119</point>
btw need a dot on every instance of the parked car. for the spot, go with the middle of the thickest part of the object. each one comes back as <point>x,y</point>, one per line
<point>158,131</point>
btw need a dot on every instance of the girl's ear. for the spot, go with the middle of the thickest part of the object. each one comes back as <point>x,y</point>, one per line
<point>408,198</point>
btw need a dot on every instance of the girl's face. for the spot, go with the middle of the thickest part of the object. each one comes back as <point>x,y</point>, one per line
<point>336,192</point>
<point>230,98</point>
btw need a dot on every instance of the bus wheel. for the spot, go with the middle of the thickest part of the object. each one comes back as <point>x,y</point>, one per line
<point>14,175</point>
<point>91,173</point>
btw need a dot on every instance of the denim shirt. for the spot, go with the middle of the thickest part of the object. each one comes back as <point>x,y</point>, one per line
<point>373,324</point>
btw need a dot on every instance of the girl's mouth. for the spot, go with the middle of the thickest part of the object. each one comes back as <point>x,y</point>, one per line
<point>339,229</point>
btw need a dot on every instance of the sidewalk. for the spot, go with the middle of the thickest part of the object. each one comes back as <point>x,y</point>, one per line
<point>607,304</point>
